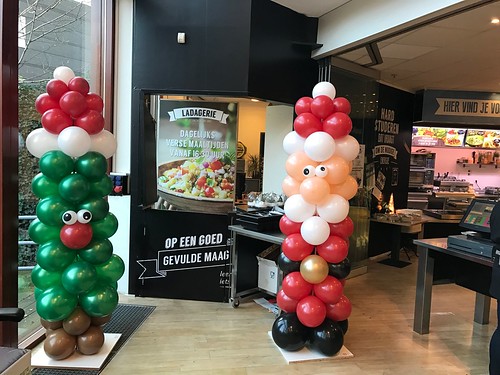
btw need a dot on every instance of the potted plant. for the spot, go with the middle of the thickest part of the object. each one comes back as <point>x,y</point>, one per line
<point>254,166</point>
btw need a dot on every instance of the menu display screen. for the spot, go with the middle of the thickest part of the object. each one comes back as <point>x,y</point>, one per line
<point>477,217</point>
<point>455,137</point>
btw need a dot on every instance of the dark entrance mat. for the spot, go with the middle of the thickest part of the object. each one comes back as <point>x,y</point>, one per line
<point>125,320</point>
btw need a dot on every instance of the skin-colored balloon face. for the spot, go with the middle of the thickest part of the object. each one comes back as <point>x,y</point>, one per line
<point>347,189</point>
<point>59,345</point>
<point>314,189</point>
<point>91,341</point>
<point>337,170</point>
<point>297,165</point>
<point>290,186</point>
<point>314,269</point>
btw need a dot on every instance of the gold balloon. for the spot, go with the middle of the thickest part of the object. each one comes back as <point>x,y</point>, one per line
<point>59,345</point>
<point>91,341</point>
<point>77,322</point>
<point>314,269</point>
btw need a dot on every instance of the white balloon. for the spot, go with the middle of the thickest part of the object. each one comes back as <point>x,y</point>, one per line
<point>315,230</point>
<point>103,142</point>
<point>297,209</point>
<point>74,141</point>
<point>324,88</point>
<point>347,147</point>
<point>64,73</point>
<point>39,141</point>
<point>334,209</point>
<point>293,142</point>
<point>319,146</point>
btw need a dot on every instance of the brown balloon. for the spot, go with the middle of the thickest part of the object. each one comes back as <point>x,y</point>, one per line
<point>59,345</point>
<point>91,341</point>
<point>100,320</point>
<point>51,325</point>
<point>77,322</point>
<point>314,269</point>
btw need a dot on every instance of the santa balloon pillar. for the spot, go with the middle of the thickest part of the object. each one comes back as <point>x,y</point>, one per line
<point>316,224</point>
<point>76,274</point>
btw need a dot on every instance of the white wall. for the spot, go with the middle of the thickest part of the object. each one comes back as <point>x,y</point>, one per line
<point>279,122</point>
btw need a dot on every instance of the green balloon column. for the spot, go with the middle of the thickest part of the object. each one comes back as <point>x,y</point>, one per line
<point>76,274</point>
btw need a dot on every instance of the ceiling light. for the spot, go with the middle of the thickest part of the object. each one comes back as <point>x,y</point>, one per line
<point>495,20</point>
<point>254,100</point>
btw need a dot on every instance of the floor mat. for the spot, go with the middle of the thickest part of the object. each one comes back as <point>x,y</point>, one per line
<point>125,320</point>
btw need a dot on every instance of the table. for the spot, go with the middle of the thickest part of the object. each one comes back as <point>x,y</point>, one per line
<point>435,250</point>
<point>392,231</point>
<point>246,244</point>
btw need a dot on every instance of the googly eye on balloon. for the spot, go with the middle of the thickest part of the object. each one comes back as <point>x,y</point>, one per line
<point>84,216</point>
<point>321,171</point>
<point>309,171</point>
<point>69,217</point>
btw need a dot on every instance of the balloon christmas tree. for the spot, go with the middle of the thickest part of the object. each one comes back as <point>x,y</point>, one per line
<point>316,224</point>
<point>76,274</point>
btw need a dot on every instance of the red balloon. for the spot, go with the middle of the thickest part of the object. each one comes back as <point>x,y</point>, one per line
<point>56,88</point>
<point>342,281</point>
<point>44,102</point>
<point>288,226</point>
<point>341,104</point>
<point>333,250</point>
<point>286,303</point>
<point>56,120</point>
<point>79,84</point>
<point>338,125</point>
<point>311,311</point>
<point>306,123</point>
<point>73,103</point>
<point>322,106</point>
<point>295,247</point>
<point>76,236</point>
<point>94,102</point>
<point>91,121</point>
<point>339,311</point>
<point>295,287</point>
<point>303,105</point>
<point>329,290</point>
<point>343,229</point>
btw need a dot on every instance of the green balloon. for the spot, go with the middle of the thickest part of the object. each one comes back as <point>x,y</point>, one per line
<point>37,291</point>
<point>100,301</point>
<point>105,228</point>
<point>54,256</point>
<point>97,252</point>
<point>79,277</point>
<point>44,279</point>
<point>102,187</point>
<point>43,186</point>
<point>111,271</point>
<point>55,304</point>
<point>50,210</point>
<point>56,165</point>
<point>74,188</point>
<point>98,206</point>
<point>41,233</point>
<point>92,165</point>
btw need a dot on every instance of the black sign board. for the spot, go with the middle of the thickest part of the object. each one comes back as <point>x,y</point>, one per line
<point>186,256</point>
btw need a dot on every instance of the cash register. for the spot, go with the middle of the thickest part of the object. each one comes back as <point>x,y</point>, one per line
<point>476,221</point>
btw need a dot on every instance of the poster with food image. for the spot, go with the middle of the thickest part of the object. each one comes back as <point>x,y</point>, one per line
<point>437,137</point>
<point>482,138</point>
<point>196,154</point>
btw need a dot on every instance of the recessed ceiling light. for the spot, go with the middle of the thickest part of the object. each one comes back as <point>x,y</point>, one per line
<point>495,20</point>
<point>254,100</point>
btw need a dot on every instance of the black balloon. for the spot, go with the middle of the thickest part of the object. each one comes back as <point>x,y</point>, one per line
<point>286,265</point>
<point>340,270</point>
<point>327,338</point>
<point>289,333</point>
<point>344,325</point>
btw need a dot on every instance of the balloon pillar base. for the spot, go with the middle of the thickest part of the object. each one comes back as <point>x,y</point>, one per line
<point>306,354</point>
<point>76,360</point>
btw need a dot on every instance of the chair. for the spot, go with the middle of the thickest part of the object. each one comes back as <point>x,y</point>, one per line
<point>11,314</point>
